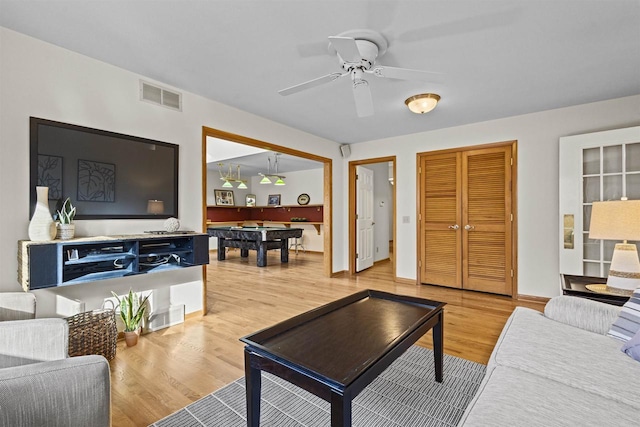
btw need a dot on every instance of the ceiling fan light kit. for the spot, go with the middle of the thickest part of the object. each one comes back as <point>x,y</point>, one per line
<point>357,51</point>
<point>422,103</point>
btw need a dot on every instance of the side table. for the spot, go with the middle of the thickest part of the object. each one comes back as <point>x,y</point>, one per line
<point>576,286</point>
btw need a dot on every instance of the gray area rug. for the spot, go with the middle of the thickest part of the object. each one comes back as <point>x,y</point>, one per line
<point>404,395</point>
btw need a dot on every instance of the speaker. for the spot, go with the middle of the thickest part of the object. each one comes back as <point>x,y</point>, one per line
<point>345,149</point>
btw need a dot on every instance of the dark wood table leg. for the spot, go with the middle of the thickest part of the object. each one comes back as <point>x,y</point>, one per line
<point>221,249</point>
<point>284,250</point>
<point>262,254</point>
<point>253,383</point>
<point>340,410</point>
<point>437,346</point>
<point>244,253</point>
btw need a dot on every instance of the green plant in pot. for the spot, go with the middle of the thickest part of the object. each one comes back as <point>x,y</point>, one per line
<point>132,310</point>
<point>66,227</point>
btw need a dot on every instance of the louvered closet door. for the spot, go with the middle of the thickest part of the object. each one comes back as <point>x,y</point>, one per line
<point>486,220</point>
<point>440,260</point>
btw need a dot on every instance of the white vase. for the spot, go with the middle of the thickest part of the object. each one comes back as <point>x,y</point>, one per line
<point>41,227</point>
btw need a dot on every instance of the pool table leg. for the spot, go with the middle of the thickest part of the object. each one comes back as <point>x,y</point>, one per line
<point>284,250</point>
<point>262,254</point>
<point>221,249</point>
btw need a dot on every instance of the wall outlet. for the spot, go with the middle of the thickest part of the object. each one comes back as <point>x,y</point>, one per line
<point>406,219</point>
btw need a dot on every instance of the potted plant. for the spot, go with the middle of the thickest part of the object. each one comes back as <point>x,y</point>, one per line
<point>132,309</point>
<point>66,227</point>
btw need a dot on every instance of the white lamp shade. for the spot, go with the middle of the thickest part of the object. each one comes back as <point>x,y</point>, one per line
<point>615,220</point>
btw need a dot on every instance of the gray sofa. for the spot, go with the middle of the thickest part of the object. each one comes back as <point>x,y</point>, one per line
<point>39,384</point>
<point>558,369</point>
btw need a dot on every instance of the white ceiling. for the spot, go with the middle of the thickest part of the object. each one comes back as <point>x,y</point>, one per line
<point>498,58</point>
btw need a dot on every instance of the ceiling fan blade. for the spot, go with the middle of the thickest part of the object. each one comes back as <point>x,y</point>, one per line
<point>311,83</point>
<point>346,48</point>
<point>362,96</point>
<point>405,74</point>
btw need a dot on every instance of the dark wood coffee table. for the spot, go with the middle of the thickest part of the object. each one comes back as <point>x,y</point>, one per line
<point>336,350</point>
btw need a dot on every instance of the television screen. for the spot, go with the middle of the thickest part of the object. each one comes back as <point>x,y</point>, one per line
<point>105,174</point>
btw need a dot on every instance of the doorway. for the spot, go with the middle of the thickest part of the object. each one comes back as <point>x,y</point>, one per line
<point>327,189</point>
<point>384,214</point>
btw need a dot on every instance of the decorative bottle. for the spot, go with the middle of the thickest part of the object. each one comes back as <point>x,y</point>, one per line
<point>41,227</point>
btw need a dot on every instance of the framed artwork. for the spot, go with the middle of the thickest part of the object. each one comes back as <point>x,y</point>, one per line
<point>96,181</point>
<point>50,175</point>
<point>250,199</point>
<point>224,197</point>
<point>274,200</point>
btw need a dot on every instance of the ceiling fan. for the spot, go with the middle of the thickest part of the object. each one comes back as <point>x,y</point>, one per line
<point>357,51</point>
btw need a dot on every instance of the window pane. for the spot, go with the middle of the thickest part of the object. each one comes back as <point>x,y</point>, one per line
<point>591,189</point>
<point>586,217</point>
<point>591,248</point>
<point>633,186</point>
<point>592,269</point>
<point>612,187</point>
<point>633,157</point>
<point>609,246</point>
<point>612,159</point>
<point>591,161</point>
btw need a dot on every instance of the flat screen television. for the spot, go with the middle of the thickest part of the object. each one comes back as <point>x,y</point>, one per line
<point>107,175</point>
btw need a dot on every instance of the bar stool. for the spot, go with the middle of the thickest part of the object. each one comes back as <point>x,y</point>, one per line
<point>297,243</point>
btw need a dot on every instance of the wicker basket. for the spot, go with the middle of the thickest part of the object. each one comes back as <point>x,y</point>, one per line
<point>93,332</point>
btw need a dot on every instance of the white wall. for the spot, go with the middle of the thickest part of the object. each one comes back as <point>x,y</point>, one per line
<point>42,80</point>
<point>537,135</point>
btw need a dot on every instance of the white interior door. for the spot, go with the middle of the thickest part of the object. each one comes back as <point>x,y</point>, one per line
<point>364,218</point>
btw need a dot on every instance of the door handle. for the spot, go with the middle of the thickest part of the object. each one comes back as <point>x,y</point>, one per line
<point>469,227</point>
<point>454,227</point>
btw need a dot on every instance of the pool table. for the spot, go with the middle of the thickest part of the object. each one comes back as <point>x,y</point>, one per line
<point>260,239</point>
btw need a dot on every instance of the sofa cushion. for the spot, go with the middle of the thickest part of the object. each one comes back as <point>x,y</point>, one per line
<point>511,397</point>
<point>582,313</point>
<point>632,347</point>
<point>628,322</point>
<point>572,356</point>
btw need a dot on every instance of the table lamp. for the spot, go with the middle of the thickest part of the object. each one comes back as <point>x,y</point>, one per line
<point>155,207</point>
<point>619,220</point>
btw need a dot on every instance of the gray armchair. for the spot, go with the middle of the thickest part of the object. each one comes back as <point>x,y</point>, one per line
<point>39,384</point>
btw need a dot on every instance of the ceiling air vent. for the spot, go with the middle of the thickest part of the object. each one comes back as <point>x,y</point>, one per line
<point>160,96</point>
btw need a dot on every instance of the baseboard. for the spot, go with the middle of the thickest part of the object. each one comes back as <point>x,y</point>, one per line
<point>193,314</point>
<point>381,260</point>
<point>405,281</point>
<point>341,273</point>
<point>532,298</point>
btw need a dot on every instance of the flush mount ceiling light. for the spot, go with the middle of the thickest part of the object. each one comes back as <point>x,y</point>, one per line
<point>422,103</point>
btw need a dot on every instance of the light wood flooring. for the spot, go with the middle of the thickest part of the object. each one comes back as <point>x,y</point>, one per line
<point>172,368</point>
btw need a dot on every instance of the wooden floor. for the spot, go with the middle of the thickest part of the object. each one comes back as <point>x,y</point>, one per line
<point>173,367</point>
